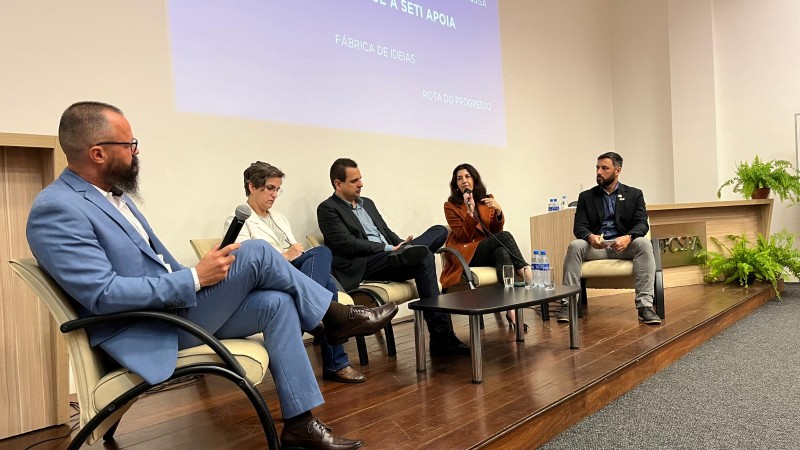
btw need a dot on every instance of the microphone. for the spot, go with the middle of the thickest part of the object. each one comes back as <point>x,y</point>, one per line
<point>241,214</point>
<point>467,198</point>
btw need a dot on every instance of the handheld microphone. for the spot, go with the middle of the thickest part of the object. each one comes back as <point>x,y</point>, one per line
<point>467,198</point>
<point>241,214</point>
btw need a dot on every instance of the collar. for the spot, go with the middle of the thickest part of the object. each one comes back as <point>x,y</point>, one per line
<point>111,196</point>
<point>359,202</point>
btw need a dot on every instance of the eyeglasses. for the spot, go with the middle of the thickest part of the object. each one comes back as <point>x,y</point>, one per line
<point>133,144</point>
<point>274,190</point>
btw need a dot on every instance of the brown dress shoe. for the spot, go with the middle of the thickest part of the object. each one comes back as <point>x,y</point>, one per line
<point>346,375</point>
<point>316,435</point>
<point>363,322</point>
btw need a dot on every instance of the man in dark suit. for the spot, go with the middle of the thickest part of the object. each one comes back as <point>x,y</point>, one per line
<point>610,223</point>
<point>361,243</point>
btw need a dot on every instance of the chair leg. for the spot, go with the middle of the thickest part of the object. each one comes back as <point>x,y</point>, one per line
<point>545,311</point>
<point>103,414</point>
<point>361,344</point>
<point>390,339</point>
<point>388,330</point>
<point>109,436</point>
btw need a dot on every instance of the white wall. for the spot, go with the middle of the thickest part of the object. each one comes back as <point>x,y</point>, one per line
<point>559,105</point>
<point>558,97</point>
<point>641,87</point>
<point>693,99</point>
<point>758,87</point>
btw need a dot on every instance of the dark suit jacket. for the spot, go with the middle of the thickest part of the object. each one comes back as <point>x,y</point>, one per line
<point>630,214</point>
<point>347,239</point>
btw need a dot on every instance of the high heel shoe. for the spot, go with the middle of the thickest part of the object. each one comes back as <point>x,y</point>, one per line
<point>512,322</point>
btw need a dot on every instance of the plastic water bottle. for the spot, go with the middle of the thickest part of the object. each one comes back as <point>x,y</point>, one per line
<point>535,269</point>
<point>563,202</point>
<point>544,270</point>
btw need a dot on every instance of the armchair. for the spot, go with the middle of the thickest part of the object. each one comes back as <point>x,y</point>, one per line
<point>618,274</point>
<point>374,293</point>
<point>204,245</point>
<point>471,277</point>
<point>105,394</point>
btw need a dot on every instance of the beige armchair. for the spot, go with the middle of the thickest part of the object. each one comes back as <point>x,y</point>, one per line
<point>471,277</point>
<point>105,394</point>
<point>204,245</point>
<point>618,274</point>
<point>374,293</point>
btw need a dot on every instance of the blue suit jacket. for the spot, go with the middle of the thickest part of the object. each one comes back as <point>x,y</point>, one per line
<point>98,258</point>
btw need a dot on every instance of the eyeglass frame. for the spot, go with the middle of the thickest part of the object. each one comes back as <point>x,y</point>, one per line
<point>133,144</point>
<point>277,191</point>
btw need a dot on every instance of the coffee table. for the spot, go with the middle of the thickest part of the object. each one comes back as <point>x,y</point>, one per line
<point>487,300</point>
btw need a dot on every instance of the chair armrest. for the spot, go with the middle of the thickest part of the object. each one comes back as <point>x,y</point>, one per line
<point>179,322</point>
<point>657,253</point>
<point>376,299</point>
<point>462,262</point>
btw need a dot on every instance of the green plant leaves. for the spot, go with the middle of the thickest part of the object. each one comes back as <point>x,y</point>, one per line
<point>768,259</point>
<point>777,175</point>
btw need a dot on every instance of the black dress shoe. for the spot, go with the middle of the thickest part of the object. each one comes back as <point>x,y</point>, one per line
<point>363,322</point>
<point>408,255</point>
<point>316,435</point>
<point>448,345</point>
<point>346,375</point>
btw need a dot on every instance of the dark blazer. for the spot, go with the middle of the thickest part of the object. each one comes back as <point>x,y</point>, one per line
<point>630,214</point>
<point>347,239</point>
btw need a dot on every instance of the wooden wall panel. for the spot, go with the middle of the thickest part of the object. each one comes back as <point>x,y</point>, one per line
<point>34,372</point>
<point>553,232</point>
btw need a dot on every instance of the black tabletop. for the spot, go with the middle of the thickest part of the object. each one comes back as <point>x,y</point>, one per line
<point>491,299</point>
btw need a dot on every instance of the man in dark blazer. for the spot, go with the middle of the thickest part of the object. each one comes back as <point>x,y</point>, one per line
<point>610,223</point>
<point>361,243</point>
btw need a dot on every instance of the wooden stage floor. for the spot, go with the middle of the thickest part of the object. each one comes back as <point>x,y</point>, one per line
<point>531,391</point>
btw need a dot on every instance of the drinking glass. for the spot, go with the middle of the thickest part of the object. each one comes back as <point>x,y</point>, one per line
<point>548,278</point>
<point>508,276</point>
<point>528,275</point>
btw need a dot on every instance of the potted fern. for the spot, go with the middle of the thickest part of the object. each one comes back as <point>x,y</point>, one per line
<point>743,262</point>
<point>757,179</point>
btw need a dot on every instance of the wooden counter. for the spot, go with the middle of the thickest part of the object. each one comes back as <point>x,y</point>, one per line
<point>553,231</point>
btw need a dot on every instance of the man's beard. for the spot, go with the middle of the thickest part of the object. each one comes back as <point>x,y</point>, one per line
<point>605,182</point>
<point>125,179</point>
